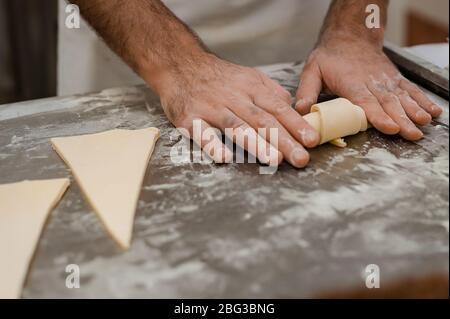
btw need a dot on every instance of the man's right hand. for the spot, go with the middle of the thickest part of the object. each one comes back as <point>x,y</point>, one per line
<point>223,95</point>
<point>196,85</point>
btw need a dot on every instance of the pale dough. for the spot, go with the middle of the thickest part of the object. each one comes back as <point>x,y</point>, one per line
<point>24,208</point>
<point>110,168</point>
<point>336,119</point>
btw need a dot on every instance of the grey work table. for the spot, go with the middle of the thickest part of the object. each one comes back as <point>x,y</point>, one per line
<point>205,230</point>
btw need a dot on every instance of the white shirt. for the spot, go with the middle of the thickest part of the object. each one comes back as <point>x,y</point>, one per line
<point>248,32</point>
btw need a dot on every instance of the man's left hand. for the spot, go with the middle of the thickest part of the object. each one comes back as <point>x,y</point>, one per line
<point>361,72</point>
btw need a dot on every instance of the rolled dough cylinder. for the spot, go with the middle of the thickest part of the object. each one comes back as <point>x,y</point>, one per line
<point>336,119</point>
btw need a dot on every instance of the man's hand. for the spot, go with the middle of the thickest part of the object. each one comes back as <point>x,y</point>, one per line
<point>224,95</point>
<point>193,84</point>
<point>351,64</point>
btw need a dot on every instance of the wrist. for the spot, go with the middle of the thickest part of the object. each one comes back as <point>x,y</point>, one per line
<point>182,74</point>
<point>359,36</point>
<point>347,21</point>
<point>163,70</point>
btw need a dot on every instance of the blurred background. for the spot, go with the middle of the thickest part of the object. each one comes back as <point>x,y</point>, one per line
<point>40,57</point>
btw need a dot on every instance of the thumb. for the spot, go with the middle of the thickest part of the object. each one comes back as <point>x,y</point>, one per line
<point>309,88</point>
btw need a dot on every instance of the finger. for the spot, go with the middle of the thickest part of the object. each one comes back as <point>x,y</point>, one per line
<point>257,118</point>
<point>247,138</point>
<point>392,106</point>
<point>422,100</point>
<point>375,114</point>
<point>309,88</point>
<point>206,137</point>
<point>412,109</point>
<point>289,118</point>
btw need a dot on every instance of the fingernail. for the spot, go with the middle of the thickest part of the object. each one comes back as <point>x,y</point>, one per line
<point>417,135</point>
<point>275,159</point>
<point>228,157</point>
<point>413,134</point>
<point>299,157</point>
<point>424,115</point>
<point>264,159</point>
<point>393,127</point>
<point>303,102</point>
<point>272,159</point>
<point>299,101</point>
<point>309,137</point>
<point>421,113</point>
<point>436,109</point>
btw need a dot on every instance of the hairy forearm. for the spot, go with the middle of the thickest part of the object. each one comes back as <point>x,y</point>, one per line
<point>152,40</point>
<point>346,19</point>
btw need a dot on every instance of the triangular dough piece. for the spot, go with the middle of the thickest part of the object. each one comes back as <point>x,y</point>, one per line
<point>24,208</point>
<point>110,168</point>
